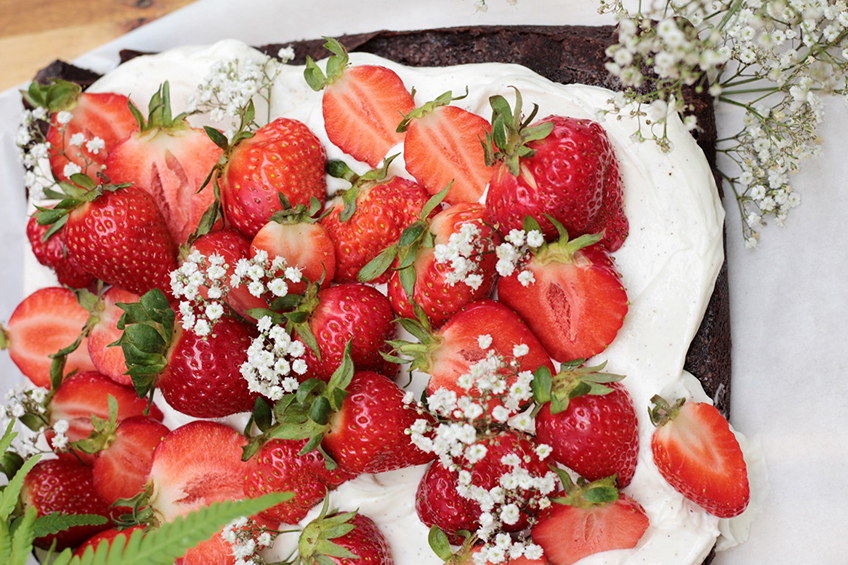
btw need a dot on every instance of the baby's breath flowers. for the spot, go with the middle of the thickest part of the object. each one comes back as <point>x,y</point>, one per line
<point>28,405</point>
<point>515,252</point>
<point>463,253</point>
<point>774,60</point>
<point>272,359</point>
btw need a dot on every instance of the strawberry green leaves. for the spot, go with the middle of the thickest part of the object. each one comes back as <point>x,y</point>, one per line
<point>572,381</point>
<point>510,134</point>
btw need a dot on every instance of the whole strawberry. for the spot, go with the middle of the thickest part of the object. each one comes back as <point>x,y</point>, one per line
<point>53,253</point>
<point>560,166</point>
<point>281,157</point>
<point>344,539</point>
<point>65,486</point>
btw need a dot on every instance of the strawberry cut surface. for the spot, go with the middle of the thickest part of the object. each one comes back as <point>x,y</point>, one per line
<point>110,360</point>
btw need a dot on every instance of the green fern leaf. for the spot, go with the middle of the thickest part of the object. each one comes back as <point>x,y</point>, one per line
<point>55,522</point>
<point>171,540</point>
<point>5,542</point>
<point>23,538</point>
<point>9,496</point>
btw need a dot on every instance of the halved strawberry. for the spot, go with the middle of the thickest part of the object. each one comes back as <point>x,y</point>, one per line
<point>588,519</point>
<point>45,322</point>
<point>282,157</point>
<point>444,146</point>
<point>84,117</point>
<point>110,360</point>
<point>169,160</point>
<point>53,253</point>
<point>575,303</point>
<point>65,486</point>
<point>697,453</point>
<point>362,105</point>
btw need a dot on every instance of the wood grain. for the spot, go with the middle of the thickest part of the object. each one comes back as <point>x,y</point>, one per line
<point>34,33</point>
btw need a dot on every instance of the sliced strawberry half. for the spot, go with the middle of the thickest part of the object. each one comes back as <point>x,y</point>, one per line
<point>47,321</point>
<point>362,105</point>
<point>110,360</point>
<point>698,454</point>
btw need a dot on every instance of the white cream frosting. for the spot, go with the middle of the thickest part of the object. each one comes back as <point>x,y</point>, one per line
<point>669,265</point>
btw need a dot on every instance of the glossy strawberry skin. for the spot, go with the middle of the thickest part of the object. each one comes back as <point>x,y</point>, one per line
<point>356,313</point>
<point>278,467</point>
<point>444,147</point>
<point>63,485</point>
<point>170,165</point>
<point>303,245</point>
<point>572,177</point>
<point>568,534</point>
<point>439,299</point>
<point>108,535</point>
<point>367,435</point>
<point>282,157</point>
<point>366,541</point>
<point>698,454</point>
<point>202,378</point>
<point>596,436</point>
<point>122,239</point>
<point>362,109</point>
<point>575,308</point>
<point>110,360</point>
<point>54,254</point>
<point>383,211</point>
<point>105,115</point>
<point>46,321</point>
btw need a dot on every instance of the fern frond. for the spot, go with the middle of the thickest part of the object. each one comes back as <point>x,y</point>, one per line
<point>55,522</point>
<point>9,496</point>
<point>23,538</point>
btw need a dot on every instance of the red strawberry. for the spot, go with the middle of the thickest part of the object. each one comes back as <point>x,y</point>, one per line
<point>110,360</point>
<point>198,375</point>
<point>449,352</point>
<point>282,157</point>
<point>362,105</point>
<point>295,235</point>
<point>596,433</point>
<point>106,536</point>
<point>697,453</point>
<point>369,217</point>
<point>368,434</point>
<point>443,146</point>
<point>53,253</point>
<point>279,467</point>
<point>569,172</point>
<point>63,485</point>
<point>233,247</point>
<point>84,116</point>
<point>169,160</point>
<point>117,234</point>
<point>349,312</point>
<point>46,321</point>
<point>469,559</point>
<point>438,502</point>
<point>344,539</point>
<point>123,460</point>
<point>84,395</point>
<point>573,527</point>
<point>438,298</point>
<point>576,303</point>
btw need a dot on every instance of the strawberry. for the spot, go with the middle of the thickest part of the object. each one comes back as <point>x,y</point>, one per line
<point>362,105</point>
<point>561,167</point>
<point>85,116</point>
<point>369,217</point>
<point>233,247</point>
<point>588,420</point>
<point>169,160</point>
<point>697,453</point>
<point>106,536</point>
<point>45,322</point>
<point>469,559</point>
<point>575,304</point>
<point>353,313</point>
<point>448,353</point>
<point>588,519</point>
<point>279,467</point>
<point>107,359</point>
<point>346,538</point>
<point>419,274</point>
<point>294,234</point>
<point>443,146</point>
<point>198,375</point>
<point>65,486</point>
<point>53,253</point>
<point>83,395</point>
<point>283,157</point>
<point>116,233</point>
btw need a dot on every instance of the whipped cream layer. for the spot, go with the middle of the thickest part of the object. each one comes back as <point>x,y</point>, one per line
<point>669,264</point>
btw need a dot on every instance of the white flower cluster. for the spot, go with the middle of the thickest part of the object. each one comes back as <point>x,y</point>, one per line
<point>505,550</point>
<point>231,84</point>
<point>34,151</point>
<point>260,275</point>
<point>23,400</point>
<point>515,252</point>
<point>272,358</point>
<point>244,537</point>
<point>463,253</point>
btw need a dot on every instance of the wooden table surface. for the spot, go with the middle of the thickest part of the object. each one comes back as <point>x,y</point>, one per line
<point>33,33</point>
